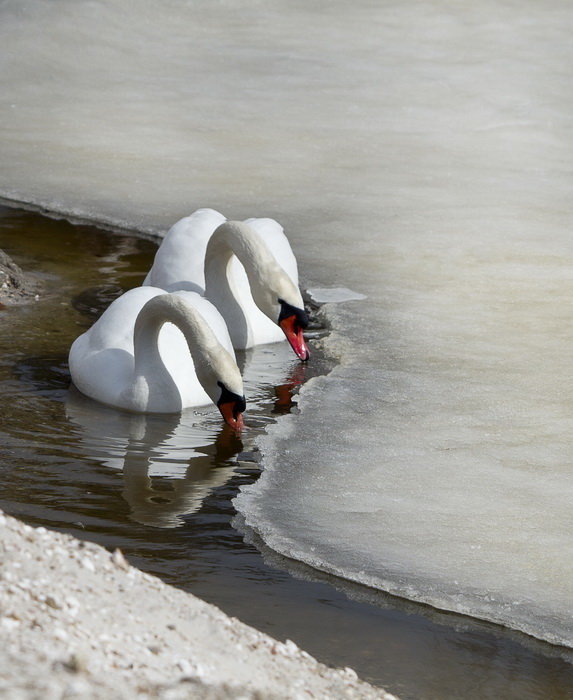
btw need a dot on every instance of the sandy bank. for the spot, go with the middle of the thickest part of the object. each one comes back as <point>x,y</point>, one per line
<point>78,622</point>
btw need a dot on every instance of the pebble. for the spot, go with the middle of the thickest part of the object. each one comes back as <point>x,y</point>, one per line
<point>185,667</point>
<point>60,633</point>
<point>73,606</point>
<point>119,560</point>
<point>291,647</point>
<point>9,623</point>
<point>87,564</point>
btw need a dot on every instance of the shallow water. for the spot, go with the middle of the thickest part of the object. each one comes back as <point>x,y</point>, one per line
<point>70,464</point>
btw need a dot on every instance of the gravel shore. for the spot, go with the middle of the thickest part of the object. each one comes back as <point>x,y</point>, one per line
<point>79,622</point>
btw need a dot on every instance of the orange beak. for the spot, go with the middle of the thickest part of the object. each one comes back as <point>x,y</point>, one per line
<point>293,331</point>
<point>231,415</point>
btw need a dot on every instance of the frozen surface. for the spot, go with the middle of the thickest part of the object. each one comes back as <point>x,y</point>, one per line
<point>418,152</point>
<point>322,295</point>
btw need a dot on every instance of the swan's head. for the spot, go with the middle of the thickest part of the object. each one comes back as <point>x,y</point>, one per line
<point>231,406</point>
<point>280,300</point>
<point>293,320</point>
<point>221,379</point>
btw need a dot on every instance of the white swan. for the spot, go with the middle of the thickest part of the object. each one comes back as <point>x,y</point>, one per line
<point>247,269</point>
<point>153,352</point>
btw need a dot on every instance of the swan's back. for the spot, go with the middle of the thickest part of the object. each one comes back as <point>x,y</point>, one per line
<point>180,259</point>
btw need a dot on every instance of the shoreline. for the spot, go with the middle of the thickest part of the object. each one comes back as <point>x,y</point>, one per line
<point>77,621</point>
<point>83,218</point>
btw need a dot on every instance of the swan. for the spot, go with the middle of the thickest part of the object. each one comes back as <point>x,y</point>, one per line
<point>245,268</point>
<point>158,352</point>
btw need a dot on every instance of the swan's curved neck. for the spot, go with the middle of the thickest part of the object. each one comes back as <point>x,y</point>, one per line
<point>203,345</point>
<point>263,271</point>
<point>239,238</point>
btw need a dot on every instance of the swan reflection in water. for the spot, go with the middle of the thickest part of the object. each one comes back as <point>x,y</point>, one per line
<point>172,462</point>
<point>162,503</point>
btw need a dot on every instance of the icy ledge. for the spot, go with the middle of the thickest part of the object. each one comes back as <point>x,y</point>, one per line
<point>281,508</point>
<point>77,620</point>
<point>324,295</point>
<point>332,509</point>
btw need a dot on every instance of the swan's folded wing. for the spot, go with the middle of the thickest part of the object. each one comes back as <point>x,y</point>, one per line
<point>102,375</point>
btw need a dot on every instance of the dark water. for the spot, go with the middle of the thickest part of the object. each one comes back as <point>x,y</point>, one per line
<point>160,488</point>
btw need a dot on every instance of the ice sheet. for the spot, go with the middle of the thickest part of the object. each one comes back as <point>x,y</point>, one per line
<point>324,295</point>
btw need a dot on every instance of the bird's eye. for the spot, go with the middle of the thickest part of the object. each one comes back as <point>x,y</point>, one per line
<point>239,403</point>
<point>288,310</point>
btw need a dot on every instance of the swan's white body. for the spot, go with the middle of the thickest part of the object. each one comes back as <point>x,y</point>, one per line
<point>180,263</point>
<point>135,357</point>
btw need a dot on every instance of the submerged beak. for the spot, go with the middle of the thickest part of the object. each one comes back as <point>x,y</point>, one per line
<point>294,334</point>
<point>232,413</point>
